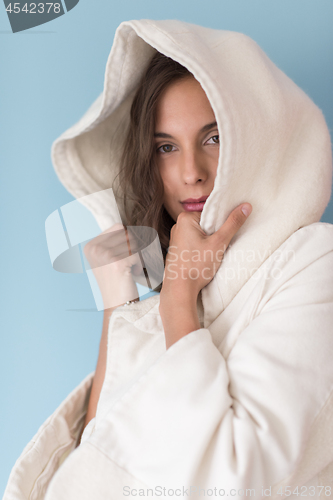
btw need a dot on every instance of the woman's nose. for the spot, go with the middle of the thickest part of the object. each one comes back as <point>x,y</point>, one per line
<point>193,168</point>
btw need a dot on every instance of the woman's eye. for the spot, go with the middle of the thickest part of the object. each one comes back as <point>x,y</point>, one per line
<point>215,139</point>
<point>165,148</point>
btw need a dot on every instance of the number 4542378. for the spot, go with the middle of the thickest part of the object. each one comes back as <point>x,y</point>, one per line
<point>33,8</point>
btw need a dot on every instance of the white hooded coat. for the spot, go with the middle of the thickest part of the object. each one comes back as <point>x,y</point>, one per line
<point>246,401</point>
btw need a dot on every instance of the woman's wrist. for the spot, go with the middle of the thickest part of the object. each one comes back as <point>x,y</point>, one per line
<point>178,310</point>
<point>182,289</point>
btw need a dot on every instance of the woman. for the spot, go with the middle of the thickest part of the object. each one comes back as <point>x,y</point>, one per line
<point>222,385</point>
<point>179,106</point>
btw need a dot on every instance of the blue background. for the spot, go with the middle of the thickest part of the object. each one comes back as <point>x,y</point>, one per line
<point>50,329</point>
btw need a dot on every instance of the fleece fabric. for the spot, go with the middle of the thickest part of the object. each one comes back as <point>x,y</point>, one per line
<point>246,401</point>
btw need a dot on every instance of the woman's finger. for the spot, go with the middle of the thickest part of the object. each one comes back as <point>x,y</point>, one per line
<point>233,223</point>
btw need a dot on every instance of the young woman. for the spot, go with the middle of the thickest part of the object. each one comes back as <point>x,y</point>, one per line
<point>222,384</point>
<point>187,165</point>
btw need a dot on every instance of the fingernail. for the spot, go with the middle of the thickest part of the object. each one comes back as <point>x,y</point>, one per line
<point>246,209</point>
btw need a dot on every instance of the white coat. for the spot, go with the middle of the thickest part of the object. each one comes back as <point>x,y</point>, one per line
<point>244,405</point>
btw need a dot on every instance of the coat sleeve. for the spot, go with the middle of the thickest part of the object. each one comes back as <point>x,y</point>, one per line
<point>49,448</point>
<point>196,418</point>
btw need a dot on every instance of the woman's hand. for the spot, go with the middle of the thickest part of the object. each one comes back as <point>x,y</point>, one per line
<point>111,260</point>
<point>192,261</point>
<point>194,257</point>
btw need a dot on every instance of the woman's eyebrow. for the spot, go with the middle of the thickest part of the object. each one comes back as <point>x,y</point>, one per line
<point>205,128</point>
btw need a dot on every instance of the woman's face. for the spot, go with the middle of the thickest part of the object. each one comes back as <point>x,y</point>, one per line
<point>187,146</point>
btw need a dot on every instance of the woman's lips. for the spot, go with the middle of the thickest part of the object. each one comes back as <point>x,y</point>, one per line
<point>194,207</point>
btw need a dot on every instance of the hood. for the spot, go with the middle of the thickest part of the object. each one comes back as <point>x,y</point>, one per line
<point>275,149</point>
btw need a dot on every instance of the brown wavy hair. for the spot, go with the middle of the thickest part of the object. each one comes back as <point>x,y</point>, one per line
<point>139,178</point>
